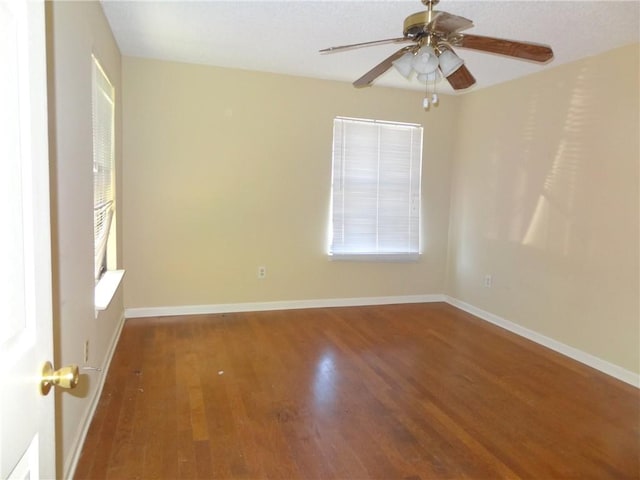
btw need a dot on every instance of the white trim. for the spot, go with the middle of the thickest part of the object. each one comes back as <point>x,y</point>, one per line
<point>383,122</point>
<point>106,289</point>
<point>282,305</point>
<point>583,357</point>
<point>76,447</point>
<point>374,257</point>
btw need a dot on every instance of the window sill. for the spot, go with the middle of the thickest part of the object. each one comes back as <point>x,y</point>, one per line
<point>375,257</point>
<point>106,288</point>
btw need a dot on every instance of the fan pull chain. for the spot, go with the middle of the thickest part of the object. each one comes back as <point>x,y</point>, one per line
<point>425,101</point>
<point>433,98</point>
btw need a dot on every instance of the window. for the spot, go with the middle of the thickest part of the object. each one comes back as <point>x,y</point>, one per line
<point>103,118</point>
<point>375,190</point>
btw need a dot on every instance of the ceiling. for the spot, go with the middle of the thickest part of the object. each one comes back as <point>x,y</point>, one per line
<point>285,36</point>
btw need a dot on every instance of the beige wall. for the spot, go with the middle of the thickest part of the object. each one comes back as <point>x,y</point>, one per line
<point>545,198</point>
<point>75,30</point>
<point>226,170</point>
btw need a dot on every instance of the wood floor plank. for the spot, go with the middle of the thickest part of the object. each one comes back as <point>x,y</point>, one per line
<point>387,400</point>
<point>411,392</point>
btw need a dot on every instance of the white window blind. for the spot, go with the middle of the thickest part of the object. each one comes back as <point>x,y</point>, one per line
<point>103,118</point>
<point>375,200</point>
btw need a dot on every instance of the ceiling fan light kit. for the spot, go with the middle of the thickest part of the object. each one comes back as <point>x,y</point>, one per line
<point>425,60</point>
<point>433,35</point>
<point>404,64</point>
<point>432,77</point>
<point>428,64</point>
<point>449,62</point>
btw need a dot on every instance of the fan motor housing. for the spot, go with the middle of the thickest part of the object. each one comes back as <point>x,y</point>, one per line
<point>416,24</point>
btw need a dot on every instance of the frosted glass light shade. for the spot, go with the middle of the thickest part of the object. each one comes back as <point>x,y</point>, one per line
<point>430,77</point>
<point>404,64</point>
<point>425,61</point>
<point>449,62</point>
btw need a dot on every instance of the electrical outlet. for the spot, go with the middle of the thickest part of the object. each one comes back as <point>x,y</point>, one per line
<point>488,280</point>
<point>262,272</point>
<point>86,351</point>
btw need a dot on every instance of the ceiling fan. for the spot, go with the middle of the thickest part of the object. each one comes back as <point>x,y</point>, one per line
<point>432,35</point>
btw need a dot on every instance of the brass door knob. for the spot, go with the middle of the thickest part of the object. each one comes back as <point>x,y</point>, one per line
<point>66,377</point>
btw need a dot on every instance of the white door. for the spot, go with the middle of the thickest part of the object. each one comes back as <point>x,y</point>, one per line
<point>27,441</point>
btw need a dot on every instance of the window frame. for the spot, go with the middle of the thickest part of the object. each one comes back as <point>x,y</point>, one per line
<point>341,243</point>
<point>103,160</point>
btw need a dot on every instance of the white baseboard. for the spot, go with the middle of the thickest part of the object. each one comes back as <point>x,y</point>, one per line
<point>76,448</point>
<point>281,305</point>
<point>571,352</point>
<point>583,357</point>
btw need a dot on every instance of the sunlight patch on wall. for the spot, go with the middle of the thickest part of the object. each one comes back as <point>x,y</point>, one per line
<point>552,224</point>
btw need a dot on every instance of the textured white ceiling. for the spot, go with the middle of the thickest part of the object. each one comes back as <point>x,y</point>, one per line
<point>285,36</point>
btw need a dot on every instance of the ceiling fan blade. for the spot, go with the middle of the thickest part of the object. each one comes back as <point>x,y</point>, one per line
<point>365,44</point>
<point>375,72</point>
<point>511,48</point>
<point>445,23</point>
<point>461,78</point>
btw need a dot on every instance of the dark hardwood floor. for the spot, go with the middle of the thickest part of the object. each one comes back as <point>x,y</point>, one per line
<point>419,391</point>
